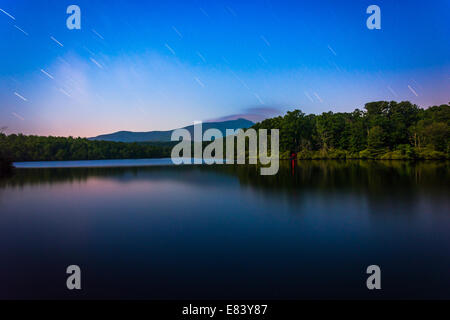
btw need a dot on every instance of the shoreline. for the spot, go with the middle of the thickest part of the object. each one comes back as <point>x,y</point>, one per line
<point>117,163</point>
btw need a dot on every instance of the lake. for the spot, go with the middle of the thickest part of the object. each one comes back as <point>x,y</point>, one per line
<point>156,231</point>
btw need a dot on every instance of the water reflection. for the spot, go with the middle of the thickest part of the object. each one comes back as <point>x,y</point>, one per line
<point>226,231</point>
<point>352,174</point>
<point>382,183</point>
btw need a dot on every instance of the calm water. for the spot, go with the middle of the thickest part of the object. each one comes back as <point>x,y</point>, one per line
<point>95,163</point>
<point>226,232</point>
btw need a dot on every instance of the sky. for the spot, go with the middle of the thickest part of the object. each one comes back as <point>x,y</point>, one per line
<point>157,65</point>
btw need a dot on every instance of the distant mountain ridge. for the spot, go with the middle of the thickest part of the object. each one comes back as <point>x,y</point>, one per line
<point>164,136</point>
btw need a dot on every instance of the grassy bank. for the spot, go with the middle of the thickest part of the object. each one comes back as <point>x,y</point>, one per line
<point>401,153</point>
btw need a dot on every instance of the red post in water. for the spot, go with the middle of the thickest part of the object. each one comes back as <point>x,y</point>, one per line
<point>293,158</point>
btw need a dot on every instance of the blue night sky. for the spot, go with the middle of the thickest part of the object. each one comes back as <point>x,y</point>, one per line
<point>157,65</point>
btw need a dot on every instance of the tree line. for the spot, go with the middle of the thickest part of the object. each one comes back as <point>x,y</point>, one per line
<point>383,130</point>
<point>19,147</point>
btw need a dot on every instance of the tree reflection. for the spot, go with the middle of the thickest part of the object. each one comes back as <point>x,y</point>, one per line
<point>383,184</point>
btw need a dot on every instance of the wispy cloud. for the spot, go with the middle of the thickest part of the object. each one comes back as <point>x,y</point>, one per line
<point>255,114</point>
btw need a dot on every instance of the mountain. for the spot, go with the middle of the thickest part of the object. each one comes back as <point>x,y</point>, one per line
<point>164,136</point>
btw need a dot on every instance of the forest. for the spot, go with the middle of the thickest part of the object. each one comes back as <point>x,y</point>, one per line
<point>18,147</point>
<point>383,130</point>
